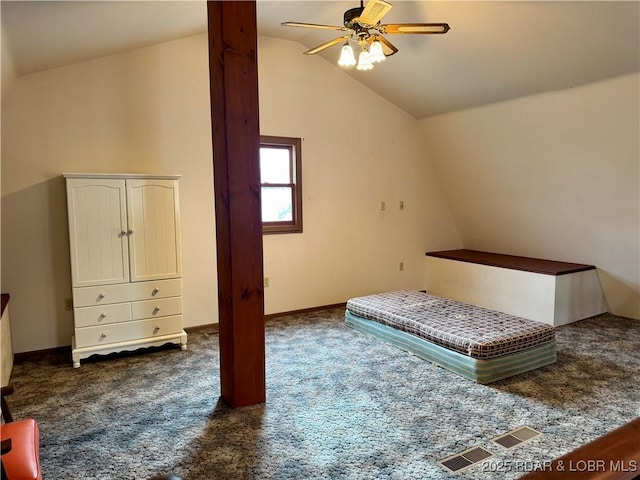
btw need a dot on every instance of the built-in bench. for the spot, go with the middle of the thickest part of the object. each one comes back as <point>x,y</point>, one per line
<point>548,291</point>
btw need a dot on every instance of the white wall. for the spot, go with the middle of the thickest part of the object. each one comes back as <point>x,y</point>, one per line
<point>7,71</point>
<point>552,176</point>
<point>358,150</point>
<point>6,64</point>
<point>147,111</point>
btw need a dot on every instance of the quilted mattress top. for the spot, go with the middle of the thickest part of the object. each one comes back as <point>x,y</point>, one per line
<point>471,330</point>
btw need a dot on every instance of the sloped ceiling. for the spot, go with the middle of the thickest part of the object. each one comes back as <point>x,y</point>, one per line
<point>495,51</point>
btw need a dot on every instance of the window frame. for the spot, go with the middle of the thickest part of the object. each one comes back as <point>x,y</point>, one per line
<point>294,145</point>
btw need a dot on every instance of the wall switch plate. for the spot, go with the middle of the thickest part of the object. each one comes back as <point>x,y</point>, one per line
<point>266,281</point>
<point>383,206</point>
<point>401,266</point>
<point>401,204</point>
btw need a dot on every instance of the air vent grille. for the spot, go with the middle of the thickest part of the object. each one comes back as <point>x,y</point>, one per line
<point>461,461</point>
<point>516,437</point>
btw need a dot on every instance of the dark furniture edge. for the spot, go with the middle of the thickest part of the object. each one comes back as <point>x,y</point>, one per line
<point>512,262</point>
<point>617,454</point>
<point>5,302</point>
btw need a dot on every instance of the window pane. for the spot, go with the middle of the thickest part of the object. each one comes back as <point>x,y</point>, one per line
<point>277,204</point>
<point>274,165</point>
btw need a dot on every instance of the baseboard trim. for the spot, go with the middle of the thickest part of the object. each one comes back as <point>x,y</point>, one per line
<point>208,327</point>
<point>36,354</point>
<point>273,316</point>
<point>214,327</point>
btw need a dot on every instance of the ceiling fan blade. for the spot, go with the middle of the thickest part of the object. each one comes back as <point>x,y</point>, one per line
<point>326,45</point>
<point>313,25</point>
<point>373,12</point>
<point>425,28</point>
<point>388,48</point>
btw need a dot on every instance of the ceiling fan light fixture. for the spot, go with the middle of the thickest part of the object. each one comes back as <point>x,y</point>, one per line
<point>347,58</point>
<point>362,26</point>
<point>364,60</point>
<point>376,54</point>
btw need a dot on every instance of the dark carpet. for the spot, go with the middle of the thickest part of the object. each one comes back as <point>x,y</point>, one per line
<point>340,405</point>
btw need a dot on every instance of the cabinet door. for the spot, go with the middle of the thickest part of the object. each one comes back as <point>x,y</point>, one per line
<point>154,229</point>
<point>97,231</point>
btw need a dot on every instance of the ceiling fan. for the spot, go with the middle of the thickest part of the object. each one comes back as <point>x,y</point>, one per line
<point>363,26</point>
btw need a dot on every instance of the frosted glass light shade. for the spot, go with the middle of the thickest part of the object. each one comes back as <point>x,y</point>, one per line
<point>347,58</point>
<point>364,61</point>
<point>375,52</point>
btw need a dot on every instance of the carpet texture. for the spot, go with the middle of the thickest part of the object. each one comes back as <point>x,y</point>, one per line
<point>340,405</point>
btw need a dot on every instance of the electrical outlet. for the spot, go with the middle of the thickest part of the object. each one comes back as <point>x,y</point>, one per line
<point>383,206</point>
<point>68,303</point>
<point>401,266</point>
<point>266,282</point>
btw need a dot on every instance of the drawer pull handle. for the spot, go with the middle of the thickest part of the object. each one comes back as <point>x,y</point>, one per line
<point>102,316</point>
<point>103,336</point>
<point>129,232</point>
<point>156,310</point>
<point>156,330</point>
<point>155,291</point>
<point>100,296</point>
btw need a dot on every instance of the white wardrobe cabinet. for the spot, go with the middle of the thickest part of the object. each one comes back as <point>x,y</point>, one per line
<point>124,235</point>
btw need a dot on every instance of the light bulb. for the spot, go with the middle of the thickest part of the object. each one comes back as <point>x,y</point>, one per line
<point>375,52</point>
<point>347,58</point>
<point>364,62</point>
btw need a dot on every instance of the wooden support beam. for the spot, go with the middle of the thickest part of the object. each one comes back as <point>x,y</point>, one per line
<point>235,128</point>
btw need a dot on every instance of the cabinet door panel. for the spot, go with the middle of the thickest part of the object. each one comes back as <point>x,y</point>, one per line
<point>154,226</point>
<point>97,222</point>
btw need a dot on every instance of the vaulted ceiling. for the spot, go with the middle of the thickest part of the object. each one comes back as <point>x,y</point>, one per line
<point>494,51</point>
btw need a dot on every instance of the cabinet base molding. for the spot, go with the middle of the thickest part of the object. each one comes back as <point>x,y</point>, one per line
<point>128,346</point>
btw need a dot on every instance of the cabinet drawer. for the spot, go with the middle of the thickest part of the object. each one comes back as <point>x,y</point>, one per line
<point>126,292</point>
<point>122,332</point>
<point>102,314</point>
<point>156,308</point>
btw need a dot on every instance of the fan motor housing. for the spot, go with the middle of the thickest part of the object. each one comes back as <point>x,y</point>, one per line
<point>351,16</point>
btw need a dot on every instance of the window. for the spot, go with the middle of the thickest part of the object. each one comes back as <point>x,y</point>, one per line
<point>281,184</point>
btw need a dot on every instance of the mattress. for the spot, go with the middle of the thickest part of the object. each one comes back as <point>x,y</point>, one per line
<point>479,370</point>
<point>470,330</point>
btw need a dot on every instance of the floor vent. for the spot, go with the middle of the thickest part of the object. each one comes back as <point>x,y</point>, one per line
<point>516,437</point>
<point>463,460</point>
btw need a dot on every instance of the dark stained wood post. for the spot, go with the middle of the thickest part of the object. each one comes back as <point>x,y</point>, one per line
<point>233,71</point>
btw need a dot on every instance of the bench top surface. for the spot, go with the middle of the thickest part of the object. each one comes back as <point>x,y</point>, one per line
<point>527,264</point>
